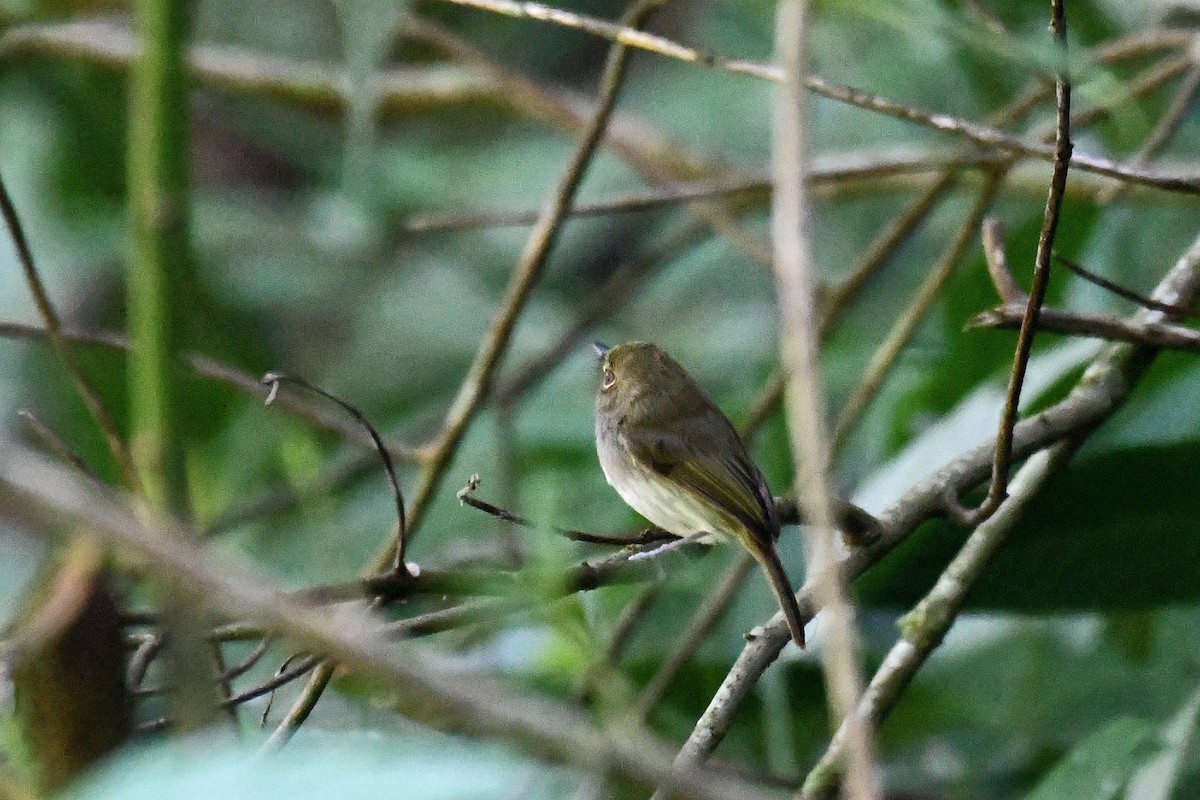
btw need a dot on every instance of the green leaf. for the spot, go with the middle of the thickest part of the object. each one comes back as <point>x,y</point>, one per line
<point>1099,766</point>
<point>1116,532</point>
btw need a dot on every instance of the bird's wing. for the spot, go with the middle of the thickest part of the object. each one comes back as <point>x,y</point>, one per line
<point>729,482</point>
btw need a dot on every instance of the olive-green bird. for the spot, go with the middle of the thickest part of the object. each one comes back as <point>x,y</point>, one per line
<point>676,459</point>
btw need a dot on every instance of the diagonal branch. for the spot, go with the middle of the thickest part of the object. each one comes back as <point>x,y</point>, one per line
<point>997,491</point>
<point>429,687</point>
<point>62,344</point>
<point>478,380</point>
<point>799,346</point>
<point>1100,392</point>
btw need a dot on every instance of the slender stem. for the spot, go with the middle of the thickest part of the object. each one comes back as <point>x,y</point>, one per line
<point>1121,291</point>
<point>1037,290</point>
<point>799,339</point>
<point>304,705</point>
<point>927,624</point>
<point>885,356</point>
<point>1099,326</point>
<point>61,344</point>
<point>158,256</point>
<point>478,380</point>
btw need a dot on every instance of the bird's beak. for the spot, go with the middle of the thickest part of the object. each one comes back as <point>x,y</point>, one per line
<point>601,349</point>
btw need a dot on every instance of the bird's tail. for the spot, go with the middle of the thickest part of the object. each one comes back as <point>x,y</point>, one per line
<point>768,559</point>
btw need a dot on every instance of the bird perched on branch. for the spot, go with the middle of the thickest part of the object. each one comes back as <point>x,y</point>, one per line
<point>676,459</point>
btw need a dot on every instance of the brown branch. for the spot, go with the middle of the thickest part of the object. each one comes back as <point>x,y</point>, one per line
<point>1076,323</point>
<point>282,678</point>
<point>274,379</point>
<point>707,615</point>
<point>249,662</point>
<point>886,355</point>
<point>987,136</point>
<point>211,369</point>
<point>747,190</point>
<point>799,353</point>
<point>61,344</point>
<point>997,491</point>
<point>997,264</point>
<point>1101,391</point>
<point>1128,294</point>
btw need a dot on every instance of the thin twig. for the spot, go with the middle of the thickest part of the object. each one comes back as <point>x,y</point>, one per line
<point>466,496</point>
<point>59,446</point>
<point>707,615</point>
<point>755,189</point>
<point>1037,289</point>
<point>886,355</point>
<point>62,348</point>
<point>274,379</point>
<point>282,678</point>
<point>1128,294</point>
<point>799,345</point>
<point>996,258</point>
<point>1099,326</point>
<point>211,369</point>
<point>987,136</point>
<point>302,708</point>
<point>248,663</point>
<point>1099,393</point>
<point>139,663</point>
<point>927,624</point>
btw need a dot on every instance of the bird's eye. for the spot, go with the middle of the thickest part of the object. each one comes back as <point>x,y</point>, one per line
<point>610,379</point>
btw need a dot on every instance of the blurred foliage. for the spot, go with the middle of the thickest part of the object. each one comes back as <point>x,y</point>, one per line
<point>1082,644</point>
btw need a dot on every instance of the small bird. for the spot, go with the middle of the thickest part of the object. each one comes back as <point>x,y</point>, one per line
<point>676,459</point>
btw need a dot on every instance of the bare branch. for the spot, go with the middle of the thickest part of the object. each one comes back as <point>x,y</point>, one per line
<point>61,344</point>
<point>927,624</point>
<point>1100,392</point>
<point>430,687</point>
<point>1037,290</point>
<point>799,344</point>
<point>1076,323</point>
